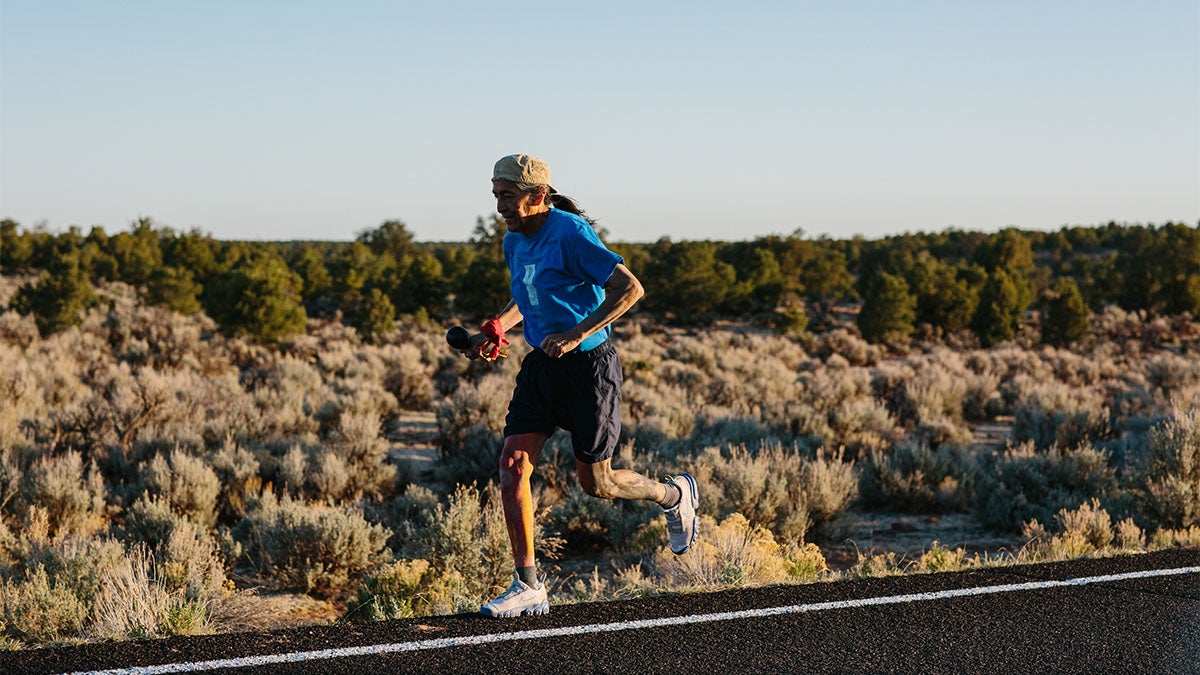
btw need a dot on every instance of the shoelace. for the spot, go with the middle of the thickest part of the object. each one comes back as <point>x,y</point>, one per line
<point>514,589</point>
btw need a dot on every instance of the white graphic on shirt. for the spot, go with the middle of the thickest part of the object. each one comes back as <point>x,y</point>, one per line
<point>533,296</point>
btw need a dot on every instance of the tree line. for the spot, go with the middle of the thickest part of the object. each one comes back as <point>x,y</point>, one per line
<point>924,284</point>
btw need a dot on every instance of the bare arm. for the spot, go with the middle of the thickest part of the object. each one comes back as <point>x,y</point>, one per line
<point>510,315</point>
<point>622,290</point>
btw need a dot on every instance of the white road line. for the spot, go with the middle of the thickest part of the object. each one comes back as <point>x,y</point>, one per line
<point>443,643</point>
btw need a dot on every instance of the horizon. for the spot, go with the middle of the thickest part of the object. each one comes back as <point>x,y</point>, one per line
<point>286,122</point>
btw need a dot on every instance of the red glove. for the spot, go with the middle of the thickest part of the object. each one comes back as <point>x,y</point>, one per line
<point>494,347</point>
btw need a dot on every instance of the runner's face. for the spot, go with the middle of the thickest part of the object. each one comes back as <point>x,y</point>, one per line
<point>514,204</point>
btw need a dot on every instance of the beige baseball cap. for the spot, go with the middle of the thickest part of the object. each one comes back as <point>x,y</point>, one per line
<point>523,169</point>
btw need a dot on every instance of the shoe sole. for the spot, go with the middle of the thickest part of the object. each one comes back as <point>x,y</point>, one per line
<point>543,608</point>
<point>695,510</point>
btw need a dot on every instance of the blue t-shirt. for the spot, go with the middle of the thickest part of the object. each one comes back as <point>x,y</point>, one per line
<point>558,276</point>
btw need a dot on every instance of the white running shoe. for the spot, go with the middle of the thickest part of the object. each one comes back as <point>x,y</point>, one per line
<point>519,600</point>
<point>682,522</point>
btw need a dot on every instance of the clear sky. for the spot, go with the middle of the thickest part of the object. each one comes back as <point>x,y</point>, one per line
<point>295,119</point>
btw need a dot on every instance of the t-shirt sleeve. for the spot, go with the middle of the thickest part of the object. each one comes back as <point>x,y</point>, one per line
<point>591,260</point>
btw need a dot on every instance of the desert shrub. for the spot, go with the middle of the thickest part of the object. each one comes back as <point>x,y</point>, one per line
<point>74,500</point>
<point>39,610</point>
<point>838,407</point>
<point>981,399</point>
<point>718,428</point>
<point>1172,473</point>
<point>622,582</point>
<point>1170,538</point>
<point>409,378</point>
<point>315,548</point>
<point>187,483</point>
<point>878,564</point>
<point>1127,536</point>
<point>1169,374</point>
<point>150,520</point>
<point>587,523</point>
<point>467,542</point>
<point>932,399</point>
<point>132,604</point>
<point>861,425</point>
<point>393,591</point>
<point>360,448</point>
<point>288,393</point>
<point>237,470</point>
<point>330,478</point>
<point>1023,484</point>
<point>473,411</point>
<point>17,330</point>
<point>914,478</point>
<point>654,415</point>
<point>50,590</point>
<point>736,553</point>
<point>846,344</point>
<point>941,559</point>
<point>1080,532</point>
<point>456,556</point>
<point>185,553</point>
<point>1052,413</point>
<point>775,487</point>
<point>829,485</point>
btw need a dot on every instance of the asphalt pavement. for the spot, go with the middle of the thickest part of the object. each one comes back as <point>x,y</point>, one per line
<point>1128,614</point>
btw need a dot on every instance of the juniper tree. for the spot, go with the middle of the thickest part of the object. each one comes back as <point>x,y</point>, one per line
<point>998,315</point>
<point>888,310</point>
<point>59,296</point>
<point>1066,317</point>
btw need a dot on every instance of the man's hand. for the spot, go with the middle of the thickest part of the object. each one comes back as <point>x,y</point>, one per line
<point>557,344</point>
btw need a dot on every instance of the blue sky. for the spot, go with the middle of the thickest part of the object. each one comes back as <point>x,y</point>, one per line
<point>694,120</point>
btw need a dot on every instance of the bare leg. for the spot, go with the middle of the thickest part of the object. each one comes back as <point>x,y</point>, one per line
<point>517,458</point>
<point>601,480</point>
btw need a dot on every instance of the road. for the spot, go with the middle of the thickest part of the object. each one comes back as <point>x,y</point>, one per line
<point>1130,614</point>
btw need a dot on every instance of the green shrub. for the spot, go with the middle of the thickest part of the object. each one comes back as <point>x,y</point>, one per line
<point>1066,319</point>
<point>586,523</point>
<point>915,479</point>
<point>1023,484</point>
<point>259,298</point>
<point>393,591</point>
<point>1172,477</point>
<point>1054,413</point>
<point>58,298</point>
<point>775,487</point>
<point>888,311</point>
<point>313,548</point>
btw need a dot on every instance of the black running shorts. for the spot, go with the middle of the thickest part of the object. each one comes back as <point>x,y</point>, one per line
<point>579,392</point>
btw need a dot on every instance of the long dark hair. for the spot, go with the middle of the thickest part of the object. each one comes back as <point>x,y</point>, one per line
<point>559,201</point>
<point>567,204</point>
